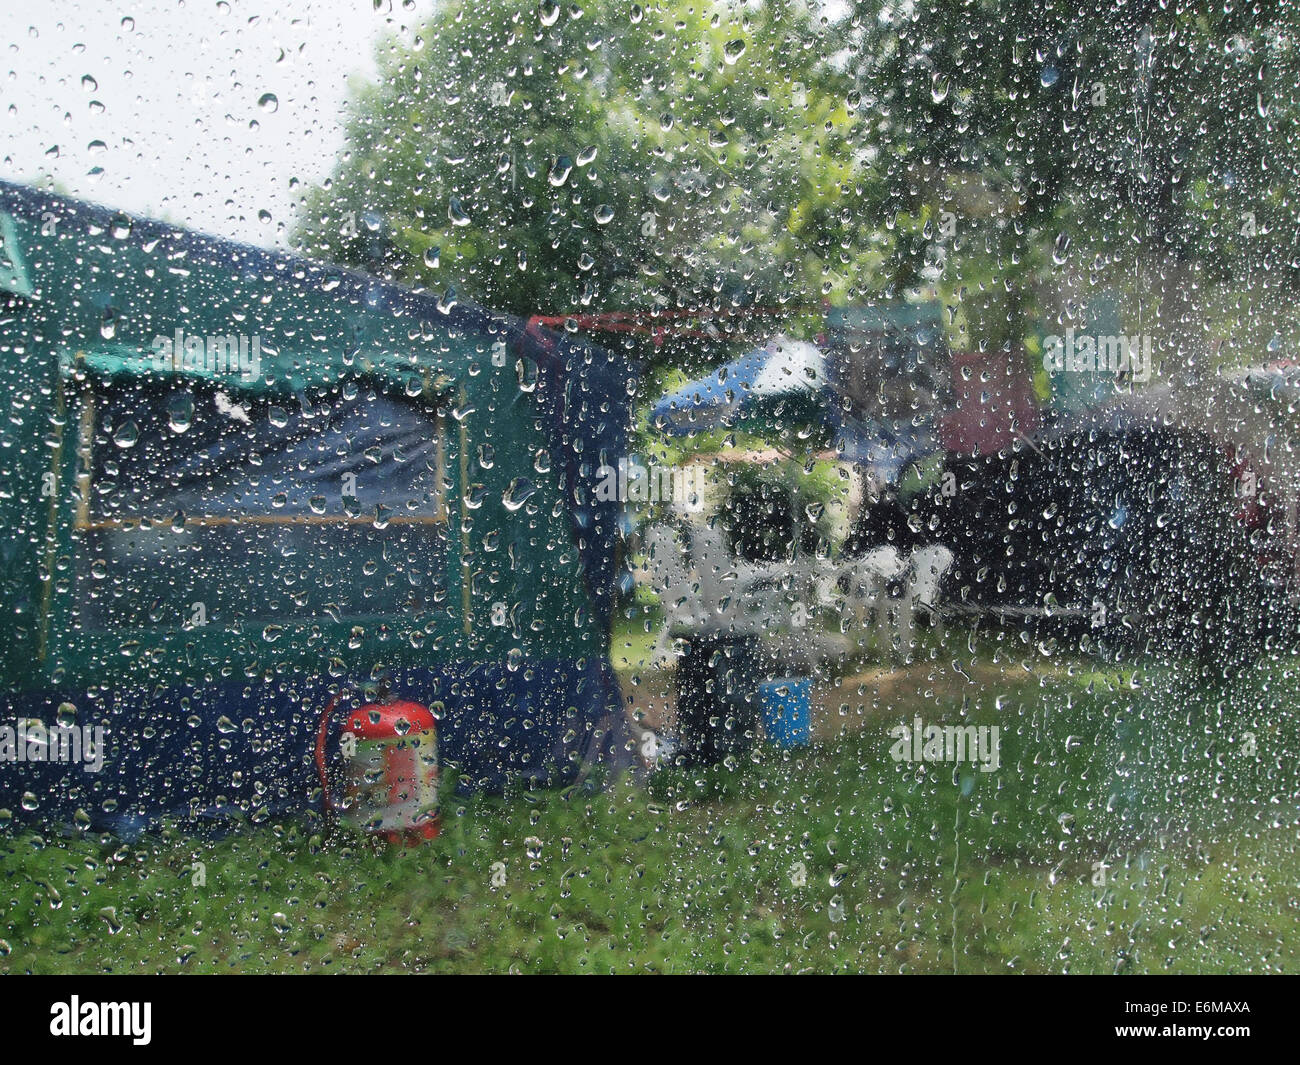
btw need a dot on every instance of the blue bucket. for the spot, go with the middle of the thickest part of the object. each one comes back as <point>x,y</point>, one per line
<point>786,705</point>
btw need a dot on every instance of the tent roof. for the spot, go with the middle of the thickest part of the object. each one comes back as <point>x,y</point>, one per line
<point>315,322</point>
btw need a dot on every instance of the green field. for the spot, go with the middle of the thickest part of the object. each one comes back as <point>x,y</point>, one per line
<point>1176,780</point>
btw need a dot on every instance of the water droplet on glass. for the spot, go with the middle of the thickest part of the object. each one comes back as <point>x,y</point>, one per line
<point>180,412</point>
<point>521,488</point>
<point>560,171</point>
<point>127,434</point>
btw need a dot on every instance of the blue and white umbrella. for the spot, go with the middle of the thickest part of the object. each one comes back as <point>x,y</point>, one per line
<point>788,381</point>
<point>784,378</point>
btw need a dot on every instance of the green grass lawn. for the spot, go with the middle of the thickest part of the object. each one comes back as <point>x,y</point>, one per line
<point>1182,785</point>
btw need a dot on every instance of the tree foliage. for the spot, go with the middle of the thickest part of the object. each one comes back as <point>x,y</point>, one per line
<point>561,158</point>
<point>555,158</point>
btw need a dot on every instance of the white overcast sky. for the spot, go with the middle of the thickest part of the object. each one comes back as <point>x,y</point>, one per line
<point>154,107</point>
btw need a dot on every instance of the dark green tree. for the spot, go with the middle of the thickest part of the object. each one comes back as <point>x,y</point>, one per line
<point>1135,139</point>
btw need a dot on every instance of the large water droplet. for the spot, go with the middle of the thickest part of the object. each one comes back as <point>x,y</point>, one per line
<point>560,171</point>
<point>521,488</point>
<point>180,412</point>
<point>127,434</point>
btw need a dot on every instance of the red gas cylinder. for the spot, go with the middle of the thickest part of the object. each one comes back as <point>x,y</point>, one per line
<point>391,784</point>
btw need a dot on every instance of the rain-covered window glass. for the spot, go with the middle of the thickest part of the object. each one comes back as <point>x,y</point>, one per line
<point>673,485</point>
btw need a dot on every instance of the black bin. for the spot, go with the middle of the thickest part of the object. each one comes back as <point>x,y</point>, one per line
<point>717,705</point>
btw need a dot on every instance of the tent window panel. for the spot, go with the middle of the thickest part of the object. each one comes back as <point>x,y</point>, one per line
<point>199,509</point>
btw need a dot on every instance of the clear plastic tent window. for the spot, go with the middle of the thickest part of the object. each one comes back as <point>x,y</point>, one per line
<point>189,489</point>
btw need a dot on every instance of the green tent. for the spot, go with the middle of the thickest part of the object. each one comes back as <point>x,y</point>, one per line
<point>237,482</point>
